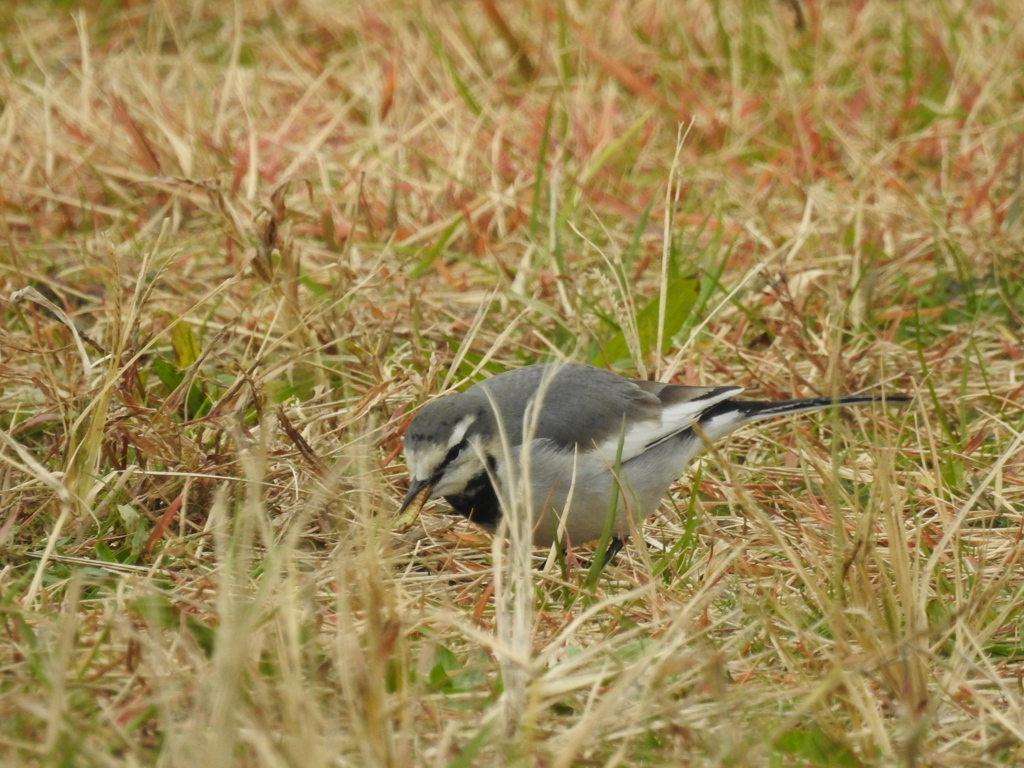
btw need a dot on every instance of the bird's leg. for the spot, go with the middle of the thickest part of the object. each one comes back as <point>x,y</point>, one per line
<point>614,547</point>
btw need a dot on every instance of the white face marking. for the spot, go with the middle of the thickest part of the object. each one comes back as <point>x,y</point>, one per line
<point>460,430</point>
<point>424,461</point>
<point>421,462</point>
<point>459,472</point>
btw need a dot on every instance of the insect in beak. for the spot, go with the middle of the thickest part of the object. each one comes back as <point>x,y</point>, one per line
<point>409,512</point>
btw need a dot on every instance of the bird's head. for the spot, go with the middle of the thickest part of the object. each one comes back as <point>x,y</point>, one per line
<point>444,451</point>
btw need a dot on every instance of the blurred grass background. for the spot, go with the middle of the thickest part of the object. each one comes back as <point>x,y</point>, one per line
<point>240,242</point>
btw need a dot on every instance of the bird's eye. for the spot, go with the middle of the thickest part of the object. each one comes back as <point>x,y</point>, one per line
<point>453,452</point>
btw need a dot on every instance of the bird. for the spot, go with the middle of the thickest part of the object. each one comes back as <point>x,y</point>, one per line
<point>583,435</point>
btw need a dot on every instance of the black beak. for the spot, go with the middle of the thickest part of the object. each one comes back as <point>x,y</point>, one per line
<point>415,488</point>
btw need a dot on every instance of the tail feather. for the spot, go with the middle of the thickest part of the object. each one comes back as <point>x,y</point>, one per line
<point>755,410</point>
<point>722,418</point>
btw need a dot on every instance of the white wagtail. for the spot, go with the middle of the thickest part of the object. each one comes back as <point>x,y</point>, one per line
<point>595,434</point>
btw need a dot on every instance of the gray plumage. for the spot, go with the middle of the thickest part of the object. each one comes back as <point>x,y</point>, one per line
<point>592,426</point>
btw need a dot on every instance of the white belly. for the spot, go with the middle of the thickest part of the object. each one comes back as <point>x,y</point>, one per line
<point>579,493</point>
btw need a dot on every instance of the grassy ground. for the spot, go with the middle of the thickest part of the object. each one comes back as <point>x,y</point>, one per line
<point>241,241</point>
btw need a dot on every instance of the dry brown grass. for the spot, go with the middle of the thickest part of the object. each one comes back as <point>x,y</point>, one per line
<point>241,241</point>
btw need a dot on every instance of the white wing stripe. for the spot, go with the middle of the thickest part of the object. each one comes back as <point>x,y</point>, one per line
<point>641,435</point>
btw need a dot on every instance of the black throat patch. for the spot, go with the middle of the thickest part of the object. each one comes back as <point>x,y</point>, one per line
<point>479,501</point>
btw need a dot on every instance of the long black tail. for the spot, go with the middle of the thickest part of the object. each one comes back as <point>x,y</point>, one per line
<point>728,415</point>
<point>755,410</point>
